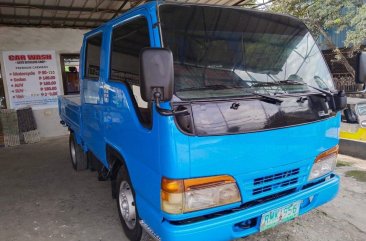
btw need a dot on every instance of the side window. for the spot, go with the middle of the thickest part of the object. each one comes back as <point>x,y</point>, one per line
<point>127,42</point>
<point>92,58</point>
<point>92,69</point>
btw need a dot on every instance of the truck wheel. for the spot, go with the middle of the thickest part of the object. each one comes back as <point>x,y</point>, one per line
<point>126,206</point>
<point>78,157</point>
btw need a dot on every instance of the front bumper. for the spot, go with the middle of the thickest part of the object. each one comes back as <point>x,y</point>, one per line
<point>226,227</point>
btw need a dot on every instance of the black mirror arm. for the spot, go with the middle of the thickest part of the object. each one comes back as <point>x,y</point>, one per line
<point>166,112</point>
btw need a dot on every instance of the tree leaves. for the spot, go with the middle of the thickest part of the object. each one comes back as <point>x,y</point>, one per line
<point>349,15</point>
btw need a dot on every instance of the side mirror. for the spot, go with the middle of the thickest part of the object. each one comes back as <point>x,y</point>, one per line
<point>339,101</point>
<point>157,78</point>
<point>156,73</point>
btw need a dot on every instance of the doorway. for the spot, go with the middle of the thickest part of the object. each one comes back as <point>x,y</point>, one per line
<point>70,73</point>
<point>2,92</point>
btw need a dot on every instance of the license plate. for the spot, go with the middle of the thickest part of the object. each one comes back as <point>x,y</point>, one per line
<point>280,215</point>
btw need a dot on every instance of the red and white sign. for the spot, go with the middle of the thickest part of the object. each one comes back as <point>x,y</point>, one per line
<point>32,78</point>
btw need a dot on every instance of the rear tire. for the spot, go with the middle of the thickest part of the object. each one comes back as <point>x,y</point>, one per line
<point>128,214</point>
<point>79,160</point>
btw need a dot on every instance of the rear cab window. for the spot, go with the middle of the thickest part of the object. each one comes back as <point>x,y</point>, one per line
<point>92,68</point>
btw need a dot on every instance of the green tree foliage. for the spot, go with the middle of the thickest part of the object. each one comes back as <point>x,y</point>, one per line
<point>357,35</point>
<point>323,15</point>
<point>349,15</point>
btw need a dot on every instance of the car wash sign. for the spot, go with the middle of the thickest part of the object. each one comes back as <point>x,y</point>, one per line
<point>31,78</point>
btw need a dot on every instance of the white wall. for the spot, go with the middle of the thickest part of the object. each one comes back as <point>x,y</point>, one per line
<point>62,41</point>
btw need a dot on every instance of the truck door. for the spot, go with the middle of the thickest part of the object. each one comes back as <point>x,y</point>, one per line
<point>128,39</point>
<point>92,129</point>
<point>132,127</point>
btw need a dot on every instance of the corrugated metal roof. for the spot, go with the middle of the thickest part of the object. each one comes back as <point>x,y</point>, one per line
<point>76,13</point>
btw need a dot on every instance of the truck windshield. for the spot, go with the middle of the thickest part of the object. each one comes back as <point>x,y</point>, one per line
<point>225,52</point>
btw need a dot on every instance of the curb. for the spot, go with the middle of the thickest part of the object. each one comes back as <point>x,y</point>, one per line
<point>353,148</point>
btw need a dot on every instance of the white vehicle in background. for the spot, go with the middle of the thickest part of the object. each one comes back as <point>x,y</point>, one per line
<point>355,113</point>
<point>360,111</point>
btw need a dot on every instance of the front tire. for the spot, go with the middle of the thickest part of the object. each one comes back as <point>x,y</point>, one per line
<point>126,206</point>
<point>78,157</point>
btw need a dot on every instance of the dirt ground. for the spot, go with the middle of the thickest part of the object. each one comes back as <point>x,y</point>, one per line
<point>42,198</point>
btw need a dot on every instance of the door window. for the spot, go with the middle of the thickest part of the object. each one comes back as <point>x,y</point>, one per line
<point>127,42</point>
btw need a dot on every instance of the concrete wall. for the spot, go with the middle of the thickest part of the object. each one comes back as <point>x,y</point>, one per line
<point>62,41</point>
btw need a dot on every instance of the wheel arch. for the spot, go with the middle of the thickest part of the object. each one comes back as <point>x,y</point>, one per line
<point>115,160</point>
<point>78,138</point>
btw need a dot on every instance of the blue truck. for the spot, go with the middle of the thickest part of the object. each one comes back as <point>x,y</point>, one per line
<point>211,122</point>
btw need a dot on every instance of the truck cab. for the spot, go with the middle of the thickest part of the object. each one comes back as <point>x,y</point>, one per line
<point>212,122</point>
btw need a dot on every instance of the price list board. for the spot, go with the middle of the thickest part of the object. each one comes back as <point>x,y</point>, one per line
<point>31,78</point>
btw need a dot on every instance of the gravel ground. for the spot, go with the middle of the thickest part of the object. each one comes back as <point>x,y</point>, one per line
<point>42,198</point>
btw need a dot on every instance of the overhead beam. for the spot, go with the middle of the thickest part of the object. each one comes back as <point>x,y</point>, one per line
<point>241,2</point>
<point>55,8</point>
<point>263,4</point>
<point>48,25</point>
<point>120,8</point>
<point>133,4</point>
<point>18,17</point>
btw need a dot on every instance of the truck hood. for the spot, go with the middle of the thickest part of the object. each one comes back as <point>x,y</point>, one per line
<point>282,156</point>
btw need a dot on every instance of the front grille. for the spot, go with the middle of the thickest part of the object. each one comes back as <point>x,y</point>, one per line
<point>274,186</point>
<point>275,181</point>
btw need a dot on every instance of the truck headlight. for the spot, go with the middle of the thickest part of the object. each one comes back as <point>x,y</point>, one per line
<point>324,163</point>
<point>181,196</point>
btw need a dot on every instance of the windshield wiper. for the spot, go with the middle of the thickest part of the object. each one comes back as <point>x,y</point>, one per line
<point>291,82</point>
<point>265,84</point>
<point>268,98</point>
<point>209,87</point>
<point>336,100</point>
<point>294,82</point>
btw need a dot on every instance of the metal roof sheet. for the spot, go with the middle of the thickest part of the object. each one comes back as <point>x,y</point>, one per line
<point>76,13</point>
